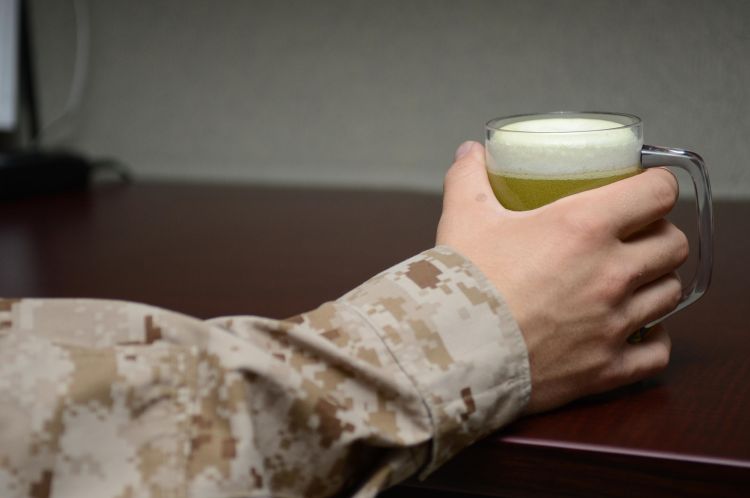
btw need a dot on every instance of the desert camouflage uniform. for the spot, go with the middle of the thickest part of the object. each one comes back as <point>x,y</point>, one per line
<point>113,399</point>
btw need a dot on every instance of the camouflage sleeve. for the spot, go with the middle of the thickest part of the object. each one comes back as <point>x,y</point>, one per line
<point>116,399</point>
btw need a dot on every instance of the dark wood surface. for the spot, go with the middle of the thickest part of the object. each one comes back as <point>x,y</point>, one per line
<point>217,250</point>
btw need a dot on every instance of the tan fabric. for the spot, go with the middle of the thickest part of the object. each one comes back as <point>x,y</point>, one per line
<point>113,399</point>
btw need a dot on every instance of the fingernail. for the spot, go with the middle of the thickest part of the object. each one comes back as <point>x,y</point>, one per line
<point>464,149</point>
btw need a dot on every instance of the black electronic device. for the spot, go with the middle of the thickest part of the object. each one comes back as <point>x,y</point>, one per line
<point>26,168</point>
<point>30,172</point>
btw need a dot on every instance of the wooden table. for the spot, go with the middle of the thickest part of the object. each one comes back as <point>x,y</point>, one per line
<point>218,250</point>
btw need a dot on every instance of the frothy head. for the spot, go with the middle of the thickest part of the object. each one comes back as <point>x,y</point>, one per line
<point>563,147</point>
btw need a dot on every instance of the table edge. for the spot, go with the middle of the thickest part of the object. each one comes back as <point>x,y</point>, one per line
<point>627,452</point>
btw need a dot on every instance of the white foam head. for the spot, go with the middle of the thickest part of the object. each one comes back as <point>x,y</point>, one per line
<point>563,147</point>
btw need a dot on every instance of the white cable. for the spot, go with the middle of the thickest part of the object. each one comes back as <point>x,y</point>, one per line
<point>9,41</point>
<point>80,73</point>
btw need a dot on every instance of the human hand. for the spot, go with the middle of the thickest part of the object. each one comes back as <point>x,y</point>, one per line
<point>579,275</point>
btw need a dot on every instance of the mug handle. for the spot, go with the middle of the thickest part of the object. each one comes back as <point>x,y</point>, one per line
<point>691,162</point>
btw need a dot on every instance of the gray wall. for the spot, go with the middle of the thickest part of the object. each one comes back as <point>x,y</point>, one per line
<point>379,93</point>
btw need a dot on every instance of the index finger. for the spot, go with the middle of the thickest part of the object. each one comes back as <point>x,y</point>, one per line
<point>636,202</point>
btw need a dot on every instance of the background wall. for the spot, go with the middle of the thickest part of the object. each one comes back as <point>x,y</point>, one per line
<point>380,93</point>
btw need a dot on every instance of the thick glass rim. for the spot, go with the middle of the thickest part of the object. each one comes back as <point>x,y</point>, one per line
<point>496,124</point>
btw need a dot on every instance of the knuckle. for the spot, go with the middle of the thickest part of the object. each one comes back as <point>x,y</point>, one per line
<point>662,353</point>
<point>670,295</point>
<point>665,191</point>
<point>675,291</point>
<point>615,282</point>
<point>589,225</point>
<point>458,170</point>
<point>618,323</point>
<point>682,246</point>
<point>654,362</point>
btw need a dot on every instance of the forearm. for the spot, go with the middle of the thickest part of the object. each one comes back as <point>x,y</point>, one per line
<point>394,377</point>
<point>407,369</point>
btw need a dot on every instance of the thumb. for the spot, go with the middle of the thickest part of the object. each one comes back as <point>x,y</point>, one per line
<point>466,180</point>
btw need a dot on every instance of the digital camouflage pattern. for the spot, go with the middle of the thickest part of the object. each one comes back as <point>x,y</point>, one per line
<point>113,399</point>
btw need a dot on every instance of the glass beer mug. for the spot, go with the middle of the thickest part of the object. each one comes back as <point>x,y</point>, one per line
<point>534,159</point>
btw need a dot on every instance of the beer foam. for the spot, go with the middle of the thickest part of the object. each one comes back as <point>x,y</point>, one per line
<point>563,147</point>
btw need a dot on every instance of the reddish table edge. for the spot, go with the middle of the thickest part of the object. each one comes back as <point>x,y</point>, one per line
<point>614,450</point>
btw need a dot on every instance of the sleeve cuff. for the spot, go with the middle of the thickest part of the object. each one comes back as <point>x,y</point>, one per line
<point>452,334</point>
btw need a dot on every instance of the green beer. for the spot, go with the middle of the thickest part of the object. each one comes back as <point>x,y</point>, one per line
<point>520,193</point>
<point>532,161</point>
